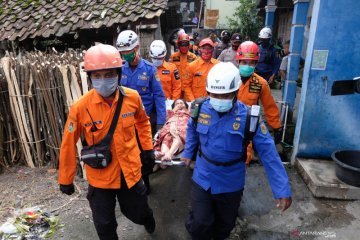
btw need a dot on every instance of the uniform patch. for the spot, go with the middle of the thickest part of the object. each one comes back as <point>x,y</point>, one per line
<point>71,127</point>
<point>144,89</point>
<point>144,76</point>
<point>190,59</point>
<point>157,76</point>
<point>263,128</point>
<point>176,74</point>
<point>176,59</point>
<point>198,73</point>
<point>236,126</point>
<point>203,115</point>
<point>203,121</point>
<point>124,115</point>
<point>237,119</point>
<point>165,72</point>
<point>255,87</point>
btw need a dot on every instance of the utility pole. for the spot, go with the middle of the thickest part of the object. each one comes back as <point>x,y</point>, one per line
<point>201,7</point>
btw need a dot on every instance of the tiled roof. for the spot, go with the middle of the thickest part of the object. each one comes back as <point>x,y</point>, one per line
<point>24,19</point>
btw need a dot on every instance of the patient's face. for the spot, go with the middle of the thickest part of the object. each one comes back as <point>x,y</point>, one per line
<point>179,105</point>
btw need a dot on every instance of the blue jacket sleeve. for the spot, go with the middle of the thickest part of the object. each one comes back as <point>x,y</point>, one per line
<point>159,97</point>
<point>276,61</point>
<point>274,168</point>
<point>192,140</point>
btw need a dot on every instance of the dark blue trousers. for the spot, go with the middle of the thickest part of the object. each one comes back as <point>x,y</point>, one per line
<point>212,216</point>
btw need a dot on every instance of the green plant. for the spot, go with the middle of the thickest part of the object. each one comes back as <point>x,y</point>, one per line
<point>245,20</point>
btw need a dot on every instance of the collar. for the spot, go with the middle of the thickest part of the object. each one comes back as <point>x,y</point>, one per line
<point>212,60</point>
<point>140,64</point>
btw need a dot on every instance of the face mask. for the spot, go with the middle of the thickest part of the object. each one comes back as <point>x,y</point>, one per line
<point>157,62</point>
<point>246,70</point>
<point>206,54</point>
<point>129,57</point>
<point>184,50</point>
<point>221,105</point>
<point>106,86</point>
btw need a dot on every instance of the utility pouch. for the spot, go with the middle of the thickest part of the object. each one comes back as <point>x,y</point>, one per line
<point>96,156</point>
<point>99,155</point>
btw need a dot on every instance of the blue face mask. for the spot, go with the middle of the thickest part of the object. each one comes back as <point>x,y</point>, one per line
<point>106,86</point>
<point>246,70</point>
<point>221,105</point>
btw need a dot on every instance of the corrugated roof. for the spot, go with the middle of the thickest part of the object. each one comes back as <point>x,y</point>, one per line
<point>20,20</point>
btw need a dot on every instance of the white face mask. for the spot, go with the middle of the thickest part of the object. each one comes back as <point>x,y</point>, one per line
<point>221,105</point>
<point>157,62</point>
<point>106,86</point>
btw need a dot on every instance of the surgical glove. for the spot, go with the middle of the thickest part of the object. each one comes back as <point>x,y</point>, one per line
<point>67,189</point>
<point>148,161</point>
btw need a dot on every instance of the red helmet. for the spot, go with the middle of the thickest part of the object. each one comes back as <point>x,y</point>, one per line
<point>101,57</point>
<point>206,41</point>
<point>248,51</point>
<point>183,37</point>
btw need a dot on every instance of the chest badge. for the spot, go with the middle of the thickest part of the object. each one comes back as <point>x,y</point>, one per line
<point>144,89</point>
<point>236,126</point>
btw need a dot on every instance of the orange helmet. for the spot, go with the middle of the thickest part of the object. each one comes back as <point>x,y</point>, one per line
<point>102,57</point>
<point>206,41</point>
<point>248,51</point>
<point>183,37</point>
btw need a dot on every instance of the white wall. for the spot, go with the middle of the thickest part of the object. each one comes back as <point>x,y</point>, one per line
<point>226,9</point>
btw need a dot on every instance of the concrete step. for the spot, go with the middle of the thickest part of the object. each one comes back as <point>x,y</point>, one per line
<point>319,176</point>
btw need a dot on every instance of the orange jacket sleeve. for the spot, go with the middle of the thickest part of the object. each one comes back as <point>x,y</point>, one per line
<point>143,127</point>
<point>67,161</point>
<point>176,84</point>
<point>271,111</point>
<point>188,94</point>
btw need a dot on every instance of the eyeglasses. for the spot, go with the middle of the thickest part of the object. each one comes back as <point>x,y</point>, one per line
<point>184,44</point>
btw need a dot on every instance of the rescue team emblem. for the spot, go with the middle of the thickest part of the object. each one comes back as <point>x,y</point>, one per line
<point>143,88</point>
<point>263,128</point>
<point>237,119</point>
<point>236,126</point>
<point>143,76</point>
<point>176,74</point>
<point>71,127</point>
<point>157,76</point>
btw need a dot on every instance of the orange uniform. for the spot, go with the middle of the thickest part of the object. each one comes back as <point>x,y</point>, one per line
<point>170,80</point>
<point>182,62</point>
<point>195,84</point>
<point>256,88</point>
<point>124,147</point>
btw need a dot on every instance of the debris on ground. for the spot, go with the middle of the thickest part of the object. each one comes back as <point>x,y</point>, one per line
<point>30,223</point>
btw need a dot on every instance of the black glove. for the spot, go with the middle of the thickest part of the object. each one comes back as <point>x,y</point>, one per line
<point>67,189</point>
<point>159,126</point>
<point>148,161</point>
<point>278,135</point>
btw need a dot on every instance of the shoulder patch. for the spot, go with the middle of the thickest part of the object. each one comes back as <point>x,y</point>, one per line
<point>176,74</point>
<point>156,75</point>
<point>71,126</point>
<point>176,59</point>
<point>255,87</point>
<point>263,128</point>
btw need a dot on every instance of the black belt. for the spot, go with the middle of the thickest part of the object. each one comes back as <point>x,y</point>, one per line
<point>216,163</point>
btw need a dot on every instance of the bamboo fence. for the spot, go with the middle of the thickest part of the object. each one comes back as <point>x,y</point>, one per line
<point>36,91</point>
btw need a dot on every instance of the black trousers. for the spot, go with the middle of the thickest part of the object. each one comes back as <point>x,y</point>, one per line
<point>133,204</point>
<point>212,216</point>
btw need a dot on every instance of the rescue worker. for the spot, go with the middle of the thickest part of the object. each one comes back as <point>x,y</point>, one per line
<point>269,61</point>
<point>182,58</point>
<point>255,88</point>
<point>169,75</point>
<point>224,44</point>
<point>194,85</point>
<point>91,116</point>
<point>193,48</point>
<point>219,174</point>
<point>229,54</point>
<point>141,75</point>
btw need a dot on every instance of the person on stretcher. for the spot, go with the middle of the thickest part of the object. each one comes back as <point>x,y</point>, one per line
<point>171,138</point>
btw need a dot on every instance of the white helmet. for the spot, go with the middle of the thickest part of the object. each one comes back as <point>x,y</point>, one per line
<point>127,40</point>
<point>157,49</point>
<point>265,33</point>
<point>223,78</point>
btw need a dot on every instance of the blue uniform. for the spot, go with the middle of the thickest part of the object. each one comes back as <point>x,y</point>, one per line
<point>144,78</point>
<point>221,140</point>
<point>268,63</point>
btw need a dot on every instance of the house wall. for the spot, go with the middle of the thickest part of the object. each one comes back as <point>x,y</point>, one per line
<point>327,123</point>
<point>226,9</point>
